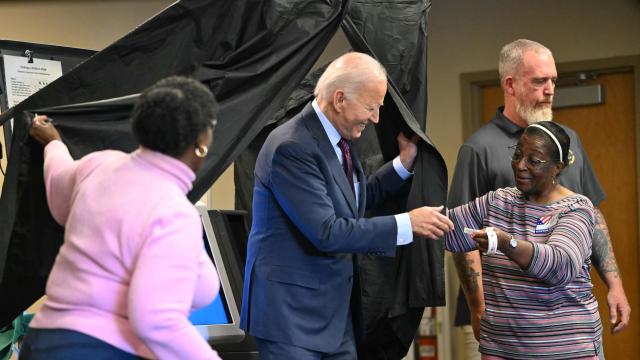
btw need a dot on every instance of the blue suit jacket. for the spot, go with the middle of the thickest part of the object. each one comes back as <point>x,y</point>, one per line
<point>299,270</point>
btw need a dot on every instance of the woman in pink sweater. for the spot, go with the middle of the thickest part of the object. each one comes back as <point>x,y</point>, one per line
<point>133,265</point>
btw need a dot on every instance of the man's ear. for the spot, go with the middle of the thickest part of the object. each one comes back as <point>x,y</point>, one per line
<point>338,100</point>
<point>507,85</point>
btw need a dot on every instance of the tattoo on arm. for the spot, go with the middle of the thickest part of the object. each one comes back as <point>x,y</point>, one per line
<point>468,275</point>
<point>602,253</point>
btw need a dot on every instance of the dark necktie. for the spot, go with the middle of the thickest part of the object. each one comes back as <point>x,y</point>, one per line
<point>347,165</point>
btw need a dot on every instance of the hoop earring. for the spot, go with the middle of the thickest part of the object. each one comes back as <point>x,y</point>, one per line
<point>201,151</point>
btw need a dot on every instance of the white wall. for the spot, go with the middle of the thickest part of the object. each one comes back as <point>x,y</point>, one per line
<point>89,24</point>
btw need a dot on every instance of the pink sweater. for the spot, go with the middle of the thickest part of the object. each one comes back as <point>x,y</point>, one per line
<point>133,265</point>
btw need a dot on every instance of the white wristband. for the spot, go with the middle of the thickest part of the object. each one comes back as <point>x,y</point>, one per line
<point>493,241</point>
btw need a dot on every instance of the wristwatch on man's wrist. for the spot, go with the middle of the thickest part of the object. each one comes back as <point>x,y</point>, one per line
<point>513,243</point>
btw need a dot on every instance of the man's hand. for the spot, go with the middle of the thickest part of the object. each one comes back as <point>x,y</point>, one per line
<point>604,261</point>
<point>619,309</point>
<point>408,150</point>
<point>429,222</point>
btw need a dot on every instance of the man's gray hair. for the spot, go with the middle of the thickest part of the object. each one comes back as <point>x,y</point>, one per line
<point>511,55</point>
<point>349,72</point>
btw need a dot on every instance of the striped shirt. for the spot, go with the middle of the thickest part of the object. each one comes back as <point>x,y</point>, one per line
<point>547,310</point>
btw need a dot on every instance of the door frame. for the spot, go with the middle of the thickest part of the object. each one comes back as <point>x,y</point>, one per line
<point>471,84</point>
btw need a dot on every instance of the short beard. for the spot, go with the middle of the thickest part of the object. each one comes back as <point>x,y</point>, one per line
<point>534,114</point>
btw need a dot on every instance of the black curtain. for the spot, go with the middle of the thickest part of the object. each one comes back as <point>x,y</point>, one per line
<point>252,54</point>
<point>396,290</point>
<point>396,32</point>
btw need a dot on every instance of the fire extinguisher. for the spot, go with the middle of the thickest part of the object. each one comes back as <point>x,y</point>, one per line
<point>427,338</point>
<point>428,347</point>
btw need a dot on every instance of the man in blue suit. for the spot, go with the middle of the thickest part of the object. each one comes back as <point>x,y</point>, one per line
<point>310,196</point>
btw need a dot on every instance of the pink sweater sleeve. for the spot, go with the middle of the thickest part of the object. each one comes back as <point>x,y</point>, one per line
<point>168,272</point>
<point>59,178</point>
<point>62,173</point>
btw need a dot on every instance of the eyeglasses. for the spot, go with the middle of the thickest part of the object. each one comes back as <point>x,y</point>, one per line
<point>530,161</point>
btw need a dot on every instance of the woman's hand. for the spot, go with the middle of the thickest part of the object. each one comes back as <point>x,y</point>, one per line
<point>521,252</point>
<point>43,130</point>
<point>480,236</point>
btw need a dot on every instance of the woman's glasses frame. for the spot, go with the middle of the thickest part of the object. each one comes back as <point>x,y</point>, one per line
<point>530,161</point>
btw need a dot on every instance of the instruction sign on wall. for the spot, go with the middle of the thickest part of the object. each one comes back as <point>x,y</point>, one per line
<point>23,78</point>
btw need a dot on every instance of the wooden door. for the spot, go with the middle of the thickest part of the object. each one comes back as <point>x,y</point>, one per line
<point>608,133</point>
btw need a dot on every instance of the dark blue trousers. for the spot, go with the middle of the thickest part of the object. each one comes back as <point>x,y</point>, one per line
<point>60,344</point>
<point>271,350</point>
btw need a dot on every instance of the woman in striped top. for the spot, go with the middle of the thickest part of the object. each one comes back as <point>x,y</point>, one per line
<point>535,272</point>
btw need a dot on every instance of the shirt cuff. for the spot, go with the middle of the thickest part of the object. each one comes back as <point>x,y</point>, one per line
<point>402,172</point>
<point>405,234</point>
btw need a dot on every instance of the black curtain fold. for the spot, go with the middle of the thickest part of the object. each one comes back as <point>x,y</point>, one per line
<point>396,31</point>
<point>396,291</point>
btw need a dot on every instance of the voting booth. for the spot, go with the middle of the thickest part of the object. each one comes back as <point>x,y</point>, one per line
<point>219,321</point>
<point>224,237</point>
<point>25,68</point>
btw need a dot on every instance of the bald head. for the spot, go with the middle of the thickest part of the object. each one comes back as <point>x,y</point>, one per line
<point>350,72</point>
<point>350,93</point>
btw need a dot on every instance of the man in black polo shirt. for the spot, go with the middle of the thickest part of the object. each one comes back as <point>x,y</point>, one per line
<point>527,75</point>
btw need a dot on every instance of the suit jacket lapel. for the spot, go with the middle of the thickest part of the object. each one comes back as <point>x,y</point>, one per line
<point>326,148</point>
